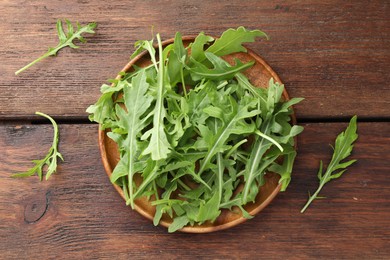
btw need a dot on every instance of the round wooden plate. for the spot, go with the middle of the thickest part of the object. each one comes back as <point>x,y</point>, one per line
<point>259,75</point>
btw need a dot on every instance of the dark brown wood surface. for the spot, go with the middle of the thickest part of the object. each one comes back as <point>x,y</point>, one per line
<point>77,213</point>
<point>325,51</point>
<point>336,54</point>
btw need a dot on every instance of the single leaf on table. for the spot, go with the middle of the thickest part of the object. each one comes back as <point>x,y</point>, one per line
<point>50,159</point>
<point>342,149</point>
<point>66,39</point>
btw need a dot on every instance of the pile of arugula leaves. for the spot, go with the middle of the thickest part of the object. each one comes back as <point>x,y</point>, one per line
<point>201,136</point>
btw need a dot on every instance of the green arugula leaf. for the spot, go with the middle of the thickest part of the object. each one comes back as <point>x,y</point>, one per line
<point>343,148</point>
<point>197,47</point>
<point>159,146</point>
<point>148,46</point>
<point>209,210</point>
<point>231,41</point>
<point>254,167</point>
<point>285,169</point>
<point>103,111</point>
<point>50,159</point>
<point>137,103</point>
<point>178,223</point>
<point>244,83</point>
<point>220,69</point>
<point>66,39</point>
<point>176,61</point>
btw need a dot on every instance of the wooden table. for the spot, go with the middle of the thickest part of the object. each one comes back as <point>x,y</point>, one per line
<point>334,53</point>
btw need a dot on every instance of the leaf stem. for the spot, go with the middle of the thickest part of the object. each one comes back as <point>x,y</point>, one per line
<point>312,197</point>
<point>183,83</point>
<point>179,181</point>
<point>47,54</point>
<point>220,177</point>
<point>322,183</point>
<point>253,165</point>
<point>270,139</point>
<point>55,127</point>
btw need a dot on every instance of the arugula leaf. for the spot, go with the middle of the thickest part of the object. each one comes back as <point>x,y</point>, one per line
<point>220,70</point>
<point>285,169</point>
<point>231,41</point>
<point>50,159</point>
<point>176,61</point>
<point>178,223</point>
<point>342,149</point>
<point>66,39</point>
<point>254,168</point>
<point>209,210</point>
<point>197,47</point>
<point>137,103</point>
<point>244,83</point>
<point>148,46</point>
<point>159,146</point>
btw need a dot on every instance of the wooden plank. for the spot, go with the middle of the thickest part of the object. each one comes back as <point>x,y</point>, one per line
<point>77,213</point>
<point>336,54</point>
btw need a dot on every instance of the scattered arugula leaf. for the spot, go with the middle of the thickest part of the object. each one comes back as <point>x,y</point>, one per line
<point>50,159</point>
<point>181,124</point>
<point>66,39</point>
<point>342,149</point>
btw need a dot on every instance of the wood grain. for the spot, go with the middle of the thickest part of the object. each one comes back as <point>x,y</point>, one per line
<point>336,54</point>
<point>78,214</point>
